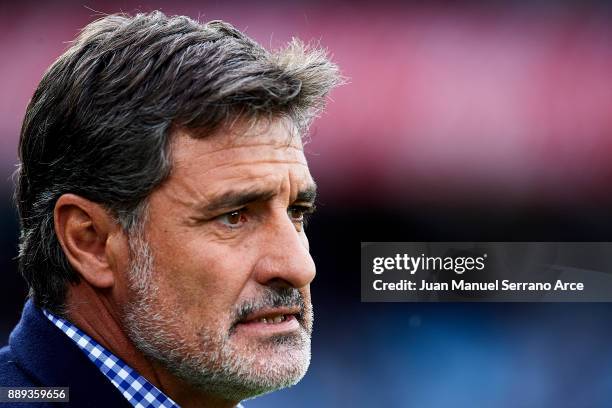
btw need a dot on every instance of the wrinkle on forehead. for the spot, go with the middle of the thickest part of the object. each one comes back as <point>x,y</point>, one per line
<point>255,159</point>
<point>284,184</point>
<point>271,144</point>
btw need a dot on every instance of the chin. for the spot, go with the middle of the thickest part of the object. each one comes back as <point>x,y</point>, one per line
<point>243,374</point>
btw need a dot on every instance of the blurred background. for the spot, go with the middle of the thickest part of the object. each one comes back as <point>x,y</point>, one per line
<point>475,121</point>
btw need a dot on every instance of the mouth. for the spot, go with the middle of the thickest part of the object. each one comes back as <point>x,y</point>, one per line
<point>270,321</point>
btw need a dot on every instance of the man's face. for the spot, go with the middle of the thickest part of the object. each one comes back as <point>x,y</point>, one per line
<point>219,283</point>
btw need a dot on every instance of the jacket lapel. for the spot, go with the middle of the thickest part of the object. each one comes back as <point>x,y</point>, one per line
<point>53,360</point>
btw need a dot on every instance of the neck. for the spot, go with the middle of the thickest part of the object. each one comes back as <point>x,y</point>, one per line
<point>98,315</point>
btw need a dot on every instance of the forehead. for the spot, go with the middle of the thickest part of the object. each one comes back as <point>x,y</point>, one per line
<point>262,152</point>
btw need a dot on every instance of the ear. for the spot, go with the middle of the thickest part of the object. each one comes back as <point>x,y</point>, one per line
<point>90,238</point>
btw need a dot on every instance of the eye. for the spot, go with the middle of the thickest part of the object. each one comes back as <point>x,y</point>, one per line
<point>233,219</point>
<point>299,214</point>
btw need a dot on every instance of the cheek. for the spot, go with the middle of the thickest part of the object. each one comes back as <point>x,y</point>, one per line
<point>201,278</point>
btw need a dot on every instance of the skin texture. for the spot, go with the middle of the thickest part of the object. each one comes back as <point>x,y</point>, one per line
<point>206,264</point>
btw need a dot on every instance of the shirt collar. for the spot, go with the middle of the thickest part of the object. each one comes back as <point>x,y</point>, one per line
<point>135,388</point>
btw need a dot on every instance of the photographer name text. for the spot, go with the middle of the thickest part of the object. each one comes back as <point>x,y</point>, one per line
<point>462,285</point>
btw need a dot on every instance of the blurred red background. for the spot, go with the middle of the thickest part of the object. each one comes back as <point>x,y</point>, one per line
<point>509,102</point>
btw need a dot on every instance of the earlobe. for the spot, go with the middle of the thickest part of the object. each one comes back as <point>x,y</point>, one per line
<point>83,228</point>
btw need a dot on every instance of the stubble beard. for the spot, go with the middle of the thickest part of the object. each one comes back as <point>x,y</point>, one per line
<point>215,365</point>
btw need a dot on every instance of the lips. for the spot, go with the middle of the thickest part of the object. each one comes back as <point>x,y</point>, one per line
<point>272,315</point>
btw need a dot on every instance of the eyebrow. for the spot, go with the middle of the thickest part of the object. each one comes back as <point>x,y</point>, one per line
<point>239,198</point>
<point>308,195</point>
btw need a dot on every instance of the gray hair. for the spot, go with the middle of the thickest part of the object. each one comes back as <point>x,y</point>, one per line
<point>100,121</point>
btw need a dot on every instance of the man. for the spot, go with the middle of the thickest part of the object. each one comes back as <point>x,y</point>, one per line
<point>162,193</point>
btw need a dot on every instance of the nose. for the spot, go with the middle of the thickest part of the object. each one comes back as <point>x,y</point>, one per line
<point>285,258</point>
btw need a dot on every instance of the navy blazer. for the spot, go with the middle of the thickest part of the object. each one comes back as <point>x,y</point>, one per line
<point>41,355</point>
